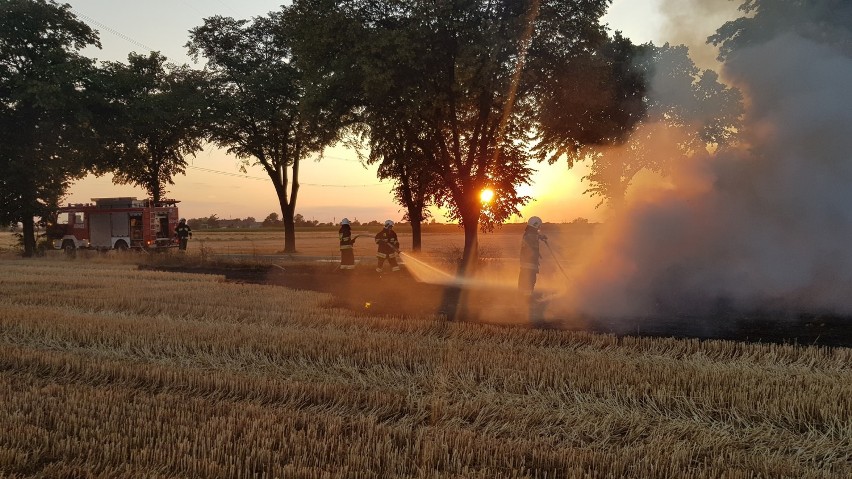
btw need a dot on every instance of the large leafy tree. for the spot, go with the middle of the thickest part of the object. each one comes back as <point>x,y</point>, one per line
<point>389,123</point>
<point>586,101</point>
<point>266,107</point>
<point>474,80</point>
<point>402,160</point>
<point>159,120</point>
<point>686,112</point>
<point>46,124</point>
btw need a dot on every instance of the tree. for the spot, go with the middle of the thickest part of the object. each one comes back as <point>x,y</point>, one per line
<point>212,221</point>
<point>159,121</point>
<point>267,109</point>
<point>822,21</point>
<point>390,125</point>
<point>271,220</point>
<point>688,111</point>
<point>587,101</point>
<point>415,187</point>
<point>395,147</point>
<point>469,78</point>
<point>46,119</point>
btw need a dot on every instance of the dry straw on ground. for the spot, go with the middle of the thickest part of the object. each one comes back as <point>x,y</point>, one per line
<point>106,371</point>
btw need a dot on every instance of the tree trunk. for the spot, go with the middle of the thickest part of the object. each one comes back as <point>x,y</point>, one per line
<point>287,204</point>
<point>471,246</point>
<point>29,235</point>
<point>416,240</point>
<point>288,211</point>
<point>415,218</point>
<point>454,303</point>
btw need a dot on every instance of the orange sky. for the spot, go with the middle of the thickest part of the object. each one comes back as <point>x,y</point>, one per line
<point>335,187</point>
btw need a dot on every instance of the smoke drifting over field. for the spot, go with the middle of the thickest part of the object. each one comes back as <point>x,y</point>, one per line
<point>768,227</point>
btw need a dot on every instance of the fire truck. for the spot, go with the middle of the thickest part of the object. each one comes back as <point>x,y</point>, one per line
<point>116,223</point>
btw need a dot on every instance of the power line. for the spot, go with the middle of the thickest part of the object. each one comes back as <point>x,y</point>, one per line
<point>228,7</point>
<point>337,158</point>
<point>114,32</point>
<point>248,177</point>
<point>192,8</point>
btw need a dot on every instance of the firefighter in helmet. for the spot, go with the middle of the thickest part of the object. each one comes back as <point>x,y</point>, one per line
<point>182,233</point>
<point>388,247</point>
<point>530,256</point>
<point>347,242</point>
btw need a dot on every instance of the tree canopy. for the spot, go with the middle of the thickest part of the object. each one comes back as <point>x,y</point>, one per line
<point>46,125</point>
<point>265,107</point>
<point>159,120</point>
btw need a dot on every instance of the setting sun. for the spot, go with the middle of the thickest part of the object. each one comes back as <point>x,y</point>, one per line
<point>486,195</point>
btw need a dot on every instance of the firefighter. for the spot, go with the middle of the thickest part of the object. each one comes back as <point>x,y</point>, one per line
<point>530,256</point>
<point>388,247</point>
<point>182,233</point>
<point>347,242</point>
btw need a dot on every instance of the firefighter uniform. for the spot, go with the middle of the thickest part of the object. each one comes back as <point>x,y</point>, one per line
<point>347,252</point>
<point>388,247</point>
<point>530,256</point>
<point>183,232</point>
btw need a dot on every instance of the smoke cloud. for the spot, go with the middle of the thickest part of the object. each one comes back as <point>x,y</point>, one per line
<point>767,227</point>
<point>690,22</point>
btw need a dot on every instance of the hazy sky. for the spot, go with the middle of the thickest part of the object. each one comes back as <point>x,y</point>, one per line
<point>339,185</point>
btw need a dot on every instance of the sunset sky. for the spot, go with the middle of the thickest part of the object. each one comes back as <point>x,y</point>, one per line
<point>338,185</point>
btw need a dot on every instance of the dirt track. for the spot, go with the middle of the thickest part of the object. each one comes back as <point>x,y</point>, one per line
<point>365,291</point>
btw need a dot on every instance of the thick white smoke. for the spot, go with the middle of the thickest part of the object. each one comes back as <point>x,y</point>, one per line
<point>768,227</point>
<point>690,22</point>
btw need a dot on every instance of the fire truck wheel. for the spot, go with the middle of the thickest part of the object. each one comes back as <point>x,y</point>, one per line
<point>120,245</point>
<point>68,247</point>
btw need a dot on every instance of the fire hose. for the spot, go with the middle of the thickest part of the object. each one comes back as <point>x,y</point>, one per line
<point>556,260</point>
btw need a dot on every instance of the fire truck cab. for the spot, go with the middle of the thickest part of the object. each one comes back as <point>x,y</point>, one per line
<point>116,223</point>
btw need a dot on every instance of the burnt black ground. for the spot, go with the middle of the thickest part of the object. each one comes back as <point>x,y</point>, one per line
<point>365,291</point>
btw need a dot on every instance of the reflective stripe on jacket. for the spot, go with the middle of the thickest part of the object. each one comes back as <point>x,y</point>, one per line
<point>530,253</point>
<point>345,235</point>
<point>388,243</point>
<point>183,230</point>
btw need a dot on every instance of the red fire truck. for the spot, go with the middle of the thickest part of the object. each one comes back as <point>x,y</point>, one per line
<point>116,223</point>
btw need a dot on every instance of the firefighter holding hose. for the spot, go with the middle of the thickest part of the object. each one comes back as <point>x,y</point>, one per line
<point>530,256</point>
<point>347,244</point>
<point>388,247</point>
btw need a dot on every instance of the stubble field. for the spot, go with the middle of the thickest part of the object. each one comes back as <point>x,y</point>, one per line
<point>109,371</point>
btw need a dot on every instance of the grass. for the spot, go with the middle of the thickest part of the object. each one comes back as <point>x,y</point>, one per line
<point>110,371</point>
<point>8,241</point>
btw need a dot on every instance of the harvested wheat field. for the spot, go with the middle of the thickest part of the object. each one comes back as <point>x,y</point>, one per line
<point>108,371</point>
